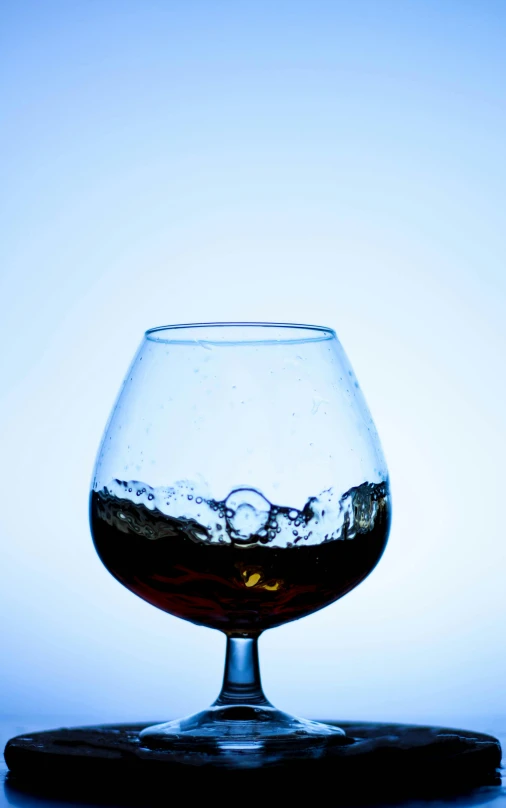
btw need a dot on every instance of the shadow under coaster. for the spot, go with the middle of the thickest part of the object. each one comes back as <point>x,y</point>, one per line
<point>109,763</point>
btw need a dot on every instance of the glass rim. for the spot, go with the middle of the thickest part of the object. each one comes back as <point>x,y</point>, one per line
<point>179,333</point>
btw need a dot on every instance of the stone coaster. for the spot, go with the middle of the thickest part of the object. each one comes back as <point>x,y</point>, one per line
<point>109,762</point>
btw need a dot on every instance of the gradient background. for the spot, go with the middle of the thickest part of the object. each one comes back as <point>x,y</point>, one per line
<point>336,162</point>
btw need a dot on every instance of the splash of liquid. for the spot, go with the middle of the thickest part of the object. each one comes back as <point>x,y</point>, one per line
<point>246,517</point>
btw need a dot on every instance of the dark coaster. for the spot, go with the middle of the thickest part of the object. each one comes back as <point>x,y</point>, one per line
<point>108,762</point>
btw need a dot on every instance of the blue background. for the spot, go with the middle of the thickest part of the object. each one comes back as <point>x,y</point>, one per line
<point>332,162</point>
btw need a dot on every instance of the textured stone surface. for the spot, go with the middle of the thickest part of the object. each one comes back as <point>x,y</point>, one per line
<point>110,763</point>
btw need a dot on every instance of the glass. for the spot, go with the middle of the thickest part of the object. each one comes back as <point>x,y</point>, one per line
<point>240,484</point>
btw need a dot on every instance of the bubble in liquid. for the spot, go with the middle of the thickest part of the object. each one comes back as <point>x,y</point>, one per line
<point>247,512</point>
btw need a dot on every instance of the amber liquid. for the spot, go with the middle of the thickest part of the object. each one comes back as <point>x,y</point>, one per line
<point>238,588</point>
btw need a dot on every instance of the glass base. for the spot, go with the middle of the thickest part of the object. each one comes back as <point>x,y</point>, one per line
<point>242,728</point>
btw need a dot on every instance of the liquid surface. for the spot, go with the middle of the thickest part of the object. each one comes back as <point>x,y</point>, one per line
<point>242,564</point>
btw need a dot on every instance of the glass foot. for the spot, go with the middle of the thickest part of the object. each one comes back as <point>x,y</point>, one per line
<point>243,728</point>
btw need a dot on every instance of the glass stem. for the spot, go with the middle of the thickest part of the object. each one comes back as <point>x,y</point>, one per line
<point>241,681</point>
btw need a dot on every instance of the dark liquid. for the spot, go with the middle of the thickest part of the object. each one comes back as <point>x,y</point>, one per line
<point>238,588</point>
